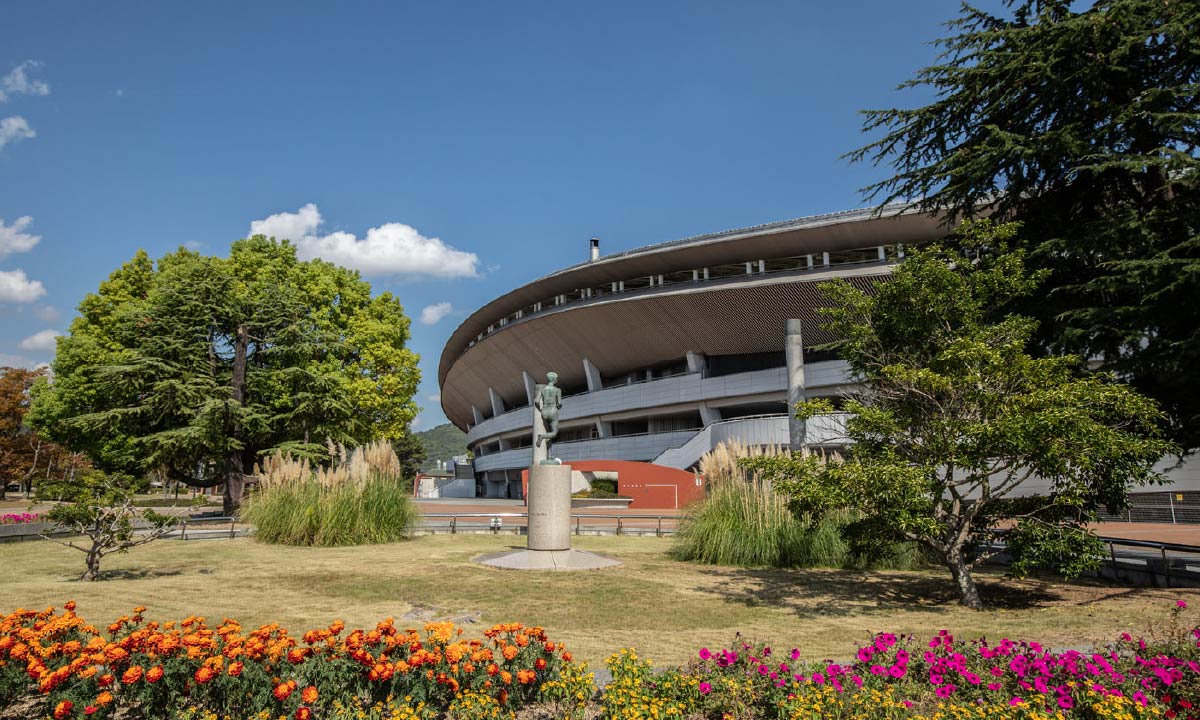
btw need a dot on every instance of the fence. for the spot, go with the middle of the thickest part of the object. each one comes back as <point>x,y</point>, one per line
<point>1160,507</point>
<point>516,524</point>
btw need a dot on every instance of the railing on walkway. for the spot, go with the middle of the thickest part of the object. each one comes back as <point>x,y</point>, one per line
<point>181,530</point>
<point>625,524</point>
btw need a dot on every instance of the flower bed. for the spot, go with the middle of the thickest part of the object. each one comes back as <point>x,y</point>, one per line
<point>900,677</point>
<point>19,518</point>
<point>55,665</point>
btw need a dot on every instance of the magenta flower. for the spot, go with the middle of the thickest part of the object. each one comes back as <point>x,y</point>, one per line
<point>705,654</point>
<point>1181,604</point>
<point>705,688</point>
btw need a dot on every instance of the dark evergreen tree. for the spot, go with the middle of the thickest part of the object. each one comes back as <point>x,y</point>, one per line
<point>1082,121</point>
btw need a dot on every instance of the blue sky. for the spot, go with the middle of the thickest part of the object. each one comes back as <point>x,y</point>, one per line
<point>451,151</point>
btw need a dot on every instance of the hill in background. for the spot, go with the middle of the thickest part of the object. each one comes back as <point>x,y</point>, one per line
<point>442,443</point>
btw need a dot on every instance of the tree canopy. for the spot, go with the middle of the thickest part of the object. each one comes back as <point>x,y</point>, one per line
<point>1084,124</point>
<point>958,430</point>
<point>195,366</point>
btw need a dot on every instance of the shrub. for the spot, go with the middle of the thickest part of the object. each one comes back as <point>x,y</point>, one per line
<point>361,498</point>
<point>102,513</point>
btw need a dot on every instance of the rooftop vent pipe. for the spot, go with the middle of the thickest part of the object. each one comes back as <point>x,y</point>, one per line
<point>595,244</point>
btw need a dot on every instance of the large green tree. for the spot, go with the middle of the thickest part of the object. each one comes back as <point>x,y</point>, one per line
<point>194,366</point>
<point>1081,120</point>
<point>959,430</point>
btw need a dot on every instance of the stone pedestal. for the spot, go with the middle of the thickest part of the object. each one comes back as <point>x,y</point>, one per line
<point>549,502</point>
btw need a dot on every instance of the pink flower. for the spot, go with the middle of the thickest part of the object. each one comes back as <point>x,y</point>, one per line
<point>705,688</point>
<point>944,691</point>
<point>994,686</point>
<point>795,654</point>
<point>818,678</point>
<point>897,671</point>
<point>1181,604</point>
<point>705,654</point>
<point>1065,702</point>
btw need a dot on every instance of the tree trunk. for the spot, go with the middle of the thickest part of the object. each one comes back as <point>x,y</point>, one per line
<point>93,566</point>
<point>968,593</point>
<point>235,479</point>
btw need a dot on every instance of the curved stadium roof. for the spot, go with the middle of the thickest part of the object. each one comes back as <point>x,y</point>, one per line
<point>643,326</point>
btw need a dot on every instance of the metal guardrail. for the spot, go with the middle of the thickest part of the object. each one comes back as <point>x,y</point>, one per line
<point>496,521</point>
<point>186,522</point>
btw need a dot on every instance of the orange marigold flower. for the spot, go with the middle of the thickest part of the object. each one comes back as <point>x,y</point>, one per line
<point>205,674</point>
<point>235,668</point>
<point>308,695</point>
<point>493,668</point>
<point>303,713</point>
<point>567,657</point>
<point>70,606</point>
<point>540,663</point>
<point>337,627</point>
<point>106,680</point>
<point>154,674</point>
<point>282,691</point>
<point>510,652</point>
<point>525,677</point>
<point>139,610</point>
<point>506,677</point>
<point>63,709</point>
<point>132,675</point>
<point>296,655</point>
<point>104,698</point>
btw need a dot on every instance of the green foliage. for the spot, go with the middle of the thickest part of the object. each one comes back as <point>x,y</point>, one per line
<point>1083,124</point>
<point>442,443</point>
<point>956,417</point>
<point>376,511</point>
<point>101,510</point>
<point>196,366</point>
<point>607,485</point>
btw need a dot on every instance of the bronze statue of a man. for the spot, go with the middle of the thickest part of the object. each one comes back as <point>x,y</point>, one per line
<point>548,402</point>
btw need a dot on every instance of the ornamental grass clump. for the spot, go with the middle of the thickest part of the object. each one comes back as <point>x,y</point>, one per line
<point>361,498</point>
<point>741,521</point>
<point>745,521</point>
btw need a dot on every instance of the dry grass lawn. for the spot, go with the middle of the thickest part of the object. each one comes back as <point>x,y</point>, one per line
<point>666,609</point>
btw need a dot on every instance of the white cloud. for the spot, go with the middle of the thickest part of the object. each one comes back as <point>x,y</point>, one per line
<point>434,397</point>
<point>13,239</point>
<point>47,313</point>
<point>16,287</point>
<point>433,314</point>
<point>119,92</point>
<point>43,341</point>
<point>417,422</point>
<point>17,82</point>
<point>13,129</point>
<point>390,249</point>
<point>15,361</point>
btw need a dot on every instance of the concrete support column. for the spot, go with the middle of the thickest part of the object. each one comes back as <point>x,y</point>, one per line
<point>592,374</point>
<point>497,403</point>
<point>603,428</point>
<point>709,415</point>
<point>476,414</point>
<point>505,444</point>
<point>549,507</point>
<point>794,350</point>
<point>530,386</point>
<point>695,362</point>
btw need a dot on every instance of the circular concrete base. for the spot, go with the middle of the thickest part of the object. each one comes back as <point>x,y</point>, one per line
<point>556,560</point>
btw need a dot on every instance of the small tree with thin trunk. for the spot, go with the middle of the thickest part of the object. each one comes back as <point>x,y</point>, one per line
<point>103,520</point>
<point>958,430</point>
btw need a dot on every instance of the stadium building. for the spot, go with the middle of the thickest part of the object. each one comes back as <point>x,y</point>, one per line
<point>665,351</point>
